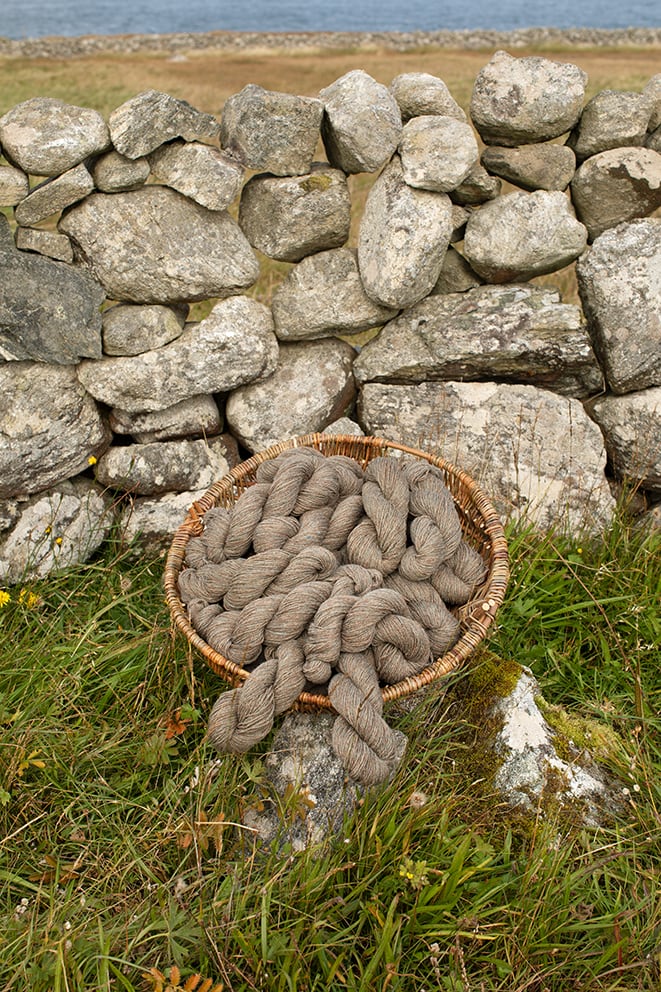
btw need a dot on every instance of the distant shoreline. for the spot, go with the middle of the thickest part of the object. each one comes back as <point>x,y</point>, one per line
<point>234,41</point>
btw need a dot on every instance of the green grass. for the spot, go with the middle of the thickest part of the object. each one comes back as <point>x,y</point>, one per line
<point>121,849</point>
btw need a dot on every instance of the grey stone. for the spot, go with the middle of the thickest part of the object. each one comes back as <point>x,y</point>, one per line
<point>54,195</point>
<point>272,132</point>
<point>362,124</point>
<point>344,426</point>
<point>618,280</point>
<point>478,187</point>
<point>323,296</point>
<point>49,311</point>
<point>233,345</point>
<point>46,137</point>
<point>312,386</point>
<point>154,245</point>
<point>147,524</point>
<point>611,119</point>
<point>512,333</point>
<point>151,118</point>
<point>114,173</point>
<point>404,234</point>
<point>48,243</point>
<point>197,417</point>
<point>205,174</point>
<point>10,511</point>
<point>14,186</point>
<point>521,235</point>
<point>289,218</point>
<point>652,91</point>
<point>54,531</point>
<point>131,329</point>
<point>518,101</point>
<point>541,166</point>
<point>616,186</point>
<point>437,153</point>
<point>631,426</point>
<point>50,427</point>
<point>460,217</point>
<point>309,785</point>
<point>419,93</point>
<point>162,466</point>
<point>653,140</point>
<point>537,455</point>
<point>456,274</point>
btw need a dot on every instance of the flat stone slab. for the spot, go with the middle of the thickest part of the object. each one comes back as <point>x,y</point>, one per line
<point>631,426</point>
<point>54,195</point>
<point>46,137</point>
<point>151,118</point>
<point>198,416</point>
<point>48,243</point>
<point>162,466</point>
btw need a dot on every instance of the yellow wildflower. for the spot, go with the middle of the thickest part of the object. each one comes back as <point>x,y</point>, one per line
<point>91,460</point>
<point>4,598</point>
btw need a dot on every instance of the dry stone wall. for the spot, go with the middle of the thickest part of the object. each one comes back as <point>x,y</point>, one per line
<point>116,402</point>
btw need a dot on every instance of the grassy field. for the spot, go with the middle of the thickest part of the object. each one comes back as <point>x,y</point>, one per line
<point>124,863</point>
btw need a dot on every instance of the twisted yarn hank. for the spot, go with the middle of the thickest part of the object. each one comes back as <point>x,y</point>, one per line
<point>322,575</point>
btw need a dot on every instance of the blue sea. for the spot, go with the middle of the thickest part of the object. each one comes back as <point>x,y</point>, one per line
<point>39,18</point>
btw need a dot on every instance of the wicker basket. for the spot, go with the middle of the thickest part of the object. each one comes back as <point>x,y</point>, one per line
<point>481,528</point>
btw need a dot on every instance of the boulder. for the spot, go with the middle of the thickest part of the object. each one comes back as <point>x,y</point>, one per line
<point>404,234</point>
<point>205,174</point>
<point>456,274</point>
<point>50,427</point>
<point>323,296</point>
<point>289,218</point>
<point>521,235</point>
<point>49,312</point>
<point>114,173</point>
<point>437,153</point>
<point>518,101</point>
<point>616,186</point>
<point>271,132</point>
<point>312,386</point>
<point>631,426</point>
<point>151,118</point>
<point>362,124</point>
<point>419,93</point>
<point>618,281</point>
<point>542,166</point>
<point>131,329</point>
<point>55,530</point>
<point>513,333</point>
<point>153,245</point>
<point>198,416</point>
<point>14,186</point>
<point>54,195</point>
<point>235,344</point>
<point>478,187</point>
<point>536,454</point>
<point>46,137</point>
<point>48,243</point>
<point>611,119</point>
<point>162,466</point>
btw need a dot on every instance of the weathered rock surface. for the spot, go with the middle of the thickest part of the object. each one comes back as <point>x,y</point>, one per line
<point>404,234</point>
<point>48,243</point>
<point>46,137</point>
<point>205,174</point>
<point>151,118</point>
<point>14,186</point>
<point>437,153</point>
<point>537,454</point>
<point>652,91</point>
<point>197,417</point>
<point>56,530</point>
<point>478,187</point>
<point>233,345</point>
<point>344,426</point>
<point>289,218</point>
<point>114,173</point>
<point>362,124</point>
<point>162,466</point>
<point>153,245</point>
<point>541,166</point>
<point>631,425</point>
<point>653,140</point>
<point>521,235</point>
<point>131,329</point>
<point>148,524</point>
<point>518,101</point>
<point>611,119</point>
<point>271,132</point>
<point>54,195</point>
<point>616,186</point>
<point>49,427</point>
<point>49,312</point>
<point>514,333</point>
<point>419,93</point>
<point>619,280</point>
<point>456,274</point>
<point>312,386</point>
<point>324,296</point>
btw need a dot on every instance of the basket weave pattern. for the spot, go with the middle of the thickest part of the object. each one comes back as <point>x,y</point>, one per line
<point>481,528</point>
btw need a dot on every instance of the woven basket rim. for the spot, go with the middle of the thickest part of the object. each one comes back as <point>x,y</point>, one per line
<point>476,616</point>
